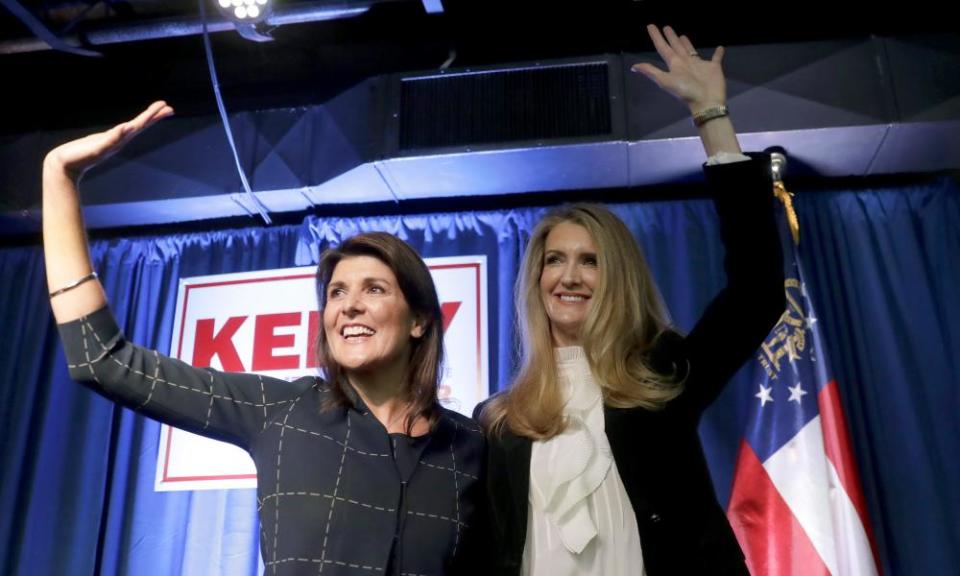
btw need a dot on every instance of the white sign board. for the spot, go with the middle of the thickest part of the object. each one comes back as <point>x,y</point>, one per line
<point>265,322</point>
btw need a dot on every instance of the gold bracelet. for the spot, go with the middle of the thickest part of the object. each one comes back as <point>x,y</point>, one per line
<point>74,284</point>
<point>708,114</point>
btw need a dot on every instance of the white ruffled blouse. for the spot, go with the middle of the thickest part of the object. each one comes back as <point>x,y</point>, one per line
<point>580,520</point>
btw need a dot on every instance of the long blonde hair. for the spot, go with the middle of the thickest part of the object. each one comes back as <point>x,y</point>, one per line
<point>626,316</point>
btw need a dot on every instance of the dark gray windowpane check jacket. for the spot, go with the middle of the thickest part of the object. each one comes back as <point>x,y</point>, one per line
<point>337,495</point>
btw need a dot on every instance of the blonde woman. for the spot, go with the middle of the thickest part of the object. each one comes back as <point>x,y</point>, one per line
<point>595,465</point>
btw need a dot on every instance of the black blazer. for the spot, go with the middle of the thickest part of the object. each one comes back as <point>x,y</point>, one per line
<point>683,529</point>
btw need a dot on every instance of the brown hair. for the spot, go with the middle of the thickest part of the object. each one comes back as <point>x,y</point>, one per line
<point>416,284</point>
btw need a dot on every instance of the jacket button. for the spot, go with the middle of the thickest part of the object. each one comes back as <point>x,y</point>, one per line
<point>654,517</point>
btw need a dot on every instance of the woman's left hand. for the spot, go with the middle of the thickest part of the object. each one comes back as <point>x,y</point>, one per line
<point>699,83</point>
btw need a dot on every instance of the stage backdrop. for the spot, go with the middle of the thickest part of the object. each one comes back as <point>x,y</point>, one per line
<point>883,265</point>
<point>266,322</point>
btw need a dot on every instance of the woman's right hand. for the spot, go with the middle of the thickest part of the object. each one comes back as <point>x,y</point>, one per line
<point>64,238</point>
<point>77,156</point>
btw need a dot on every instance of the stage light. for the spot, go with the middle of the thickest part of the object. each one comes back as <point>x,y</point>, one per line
<point>245,11</point>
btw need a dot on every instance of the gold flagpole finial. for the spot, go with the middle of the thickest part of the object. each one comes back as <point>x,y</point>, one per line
<point>778,162</point>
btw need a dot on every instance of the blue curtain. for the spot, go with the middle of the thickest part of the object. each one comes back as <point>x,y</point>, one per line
<point>77,472</point>
<point>885,271</point>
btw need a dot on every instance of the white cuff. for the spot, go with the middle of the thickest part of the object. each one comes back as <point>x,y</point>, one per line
<point>726,158</point>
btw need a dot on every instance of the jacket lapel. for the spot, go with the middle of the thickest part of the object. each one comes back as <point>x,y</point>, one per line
<point>517,452</point>
<point>623,428</point>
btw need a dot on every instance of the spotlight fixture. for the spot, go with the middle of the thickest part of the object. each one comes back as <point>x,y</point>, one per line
<point>245,11</point>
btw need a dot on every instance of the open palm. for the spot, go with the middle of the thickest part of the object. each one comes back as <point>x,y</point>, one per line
<point>77,156</point>
<point>697,82</point>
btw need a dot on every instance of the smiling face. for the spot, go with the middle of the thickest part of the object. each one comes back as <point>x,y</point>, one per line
<point>367,322</point>
<point>569,277</point>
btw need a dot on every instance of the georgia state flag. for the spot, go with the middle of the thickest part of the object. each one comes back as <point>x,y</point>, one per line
<point>796,506</point>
